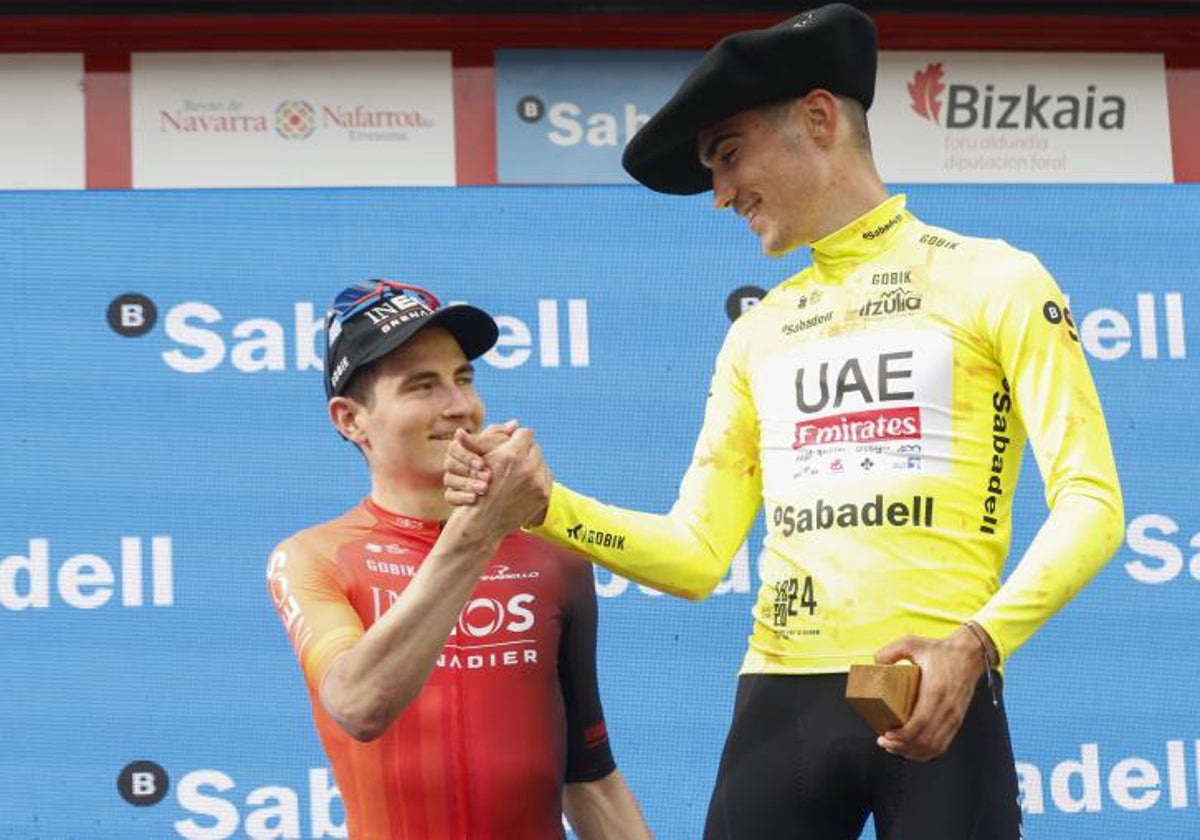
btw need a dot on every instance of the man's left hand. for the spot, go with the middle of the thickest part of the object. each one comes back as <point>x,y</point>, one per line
<point>950,669</point>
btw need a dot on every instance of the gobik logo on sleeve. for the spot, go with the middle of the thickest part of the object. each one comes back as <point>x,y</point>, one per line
<point>143,783</point>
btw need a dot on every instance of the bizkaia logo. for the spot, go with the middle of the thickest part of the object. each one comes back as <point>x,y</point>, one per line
<point>205,338</point>
<point>215,806</point>
<point>87,581</point>
<point>1031,107</point>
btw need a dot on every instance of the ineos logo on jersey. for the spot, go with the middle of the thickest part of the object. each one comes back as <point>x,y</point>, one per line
<point>479,618</point>
<point>204,339</point>
<point>487,616</point>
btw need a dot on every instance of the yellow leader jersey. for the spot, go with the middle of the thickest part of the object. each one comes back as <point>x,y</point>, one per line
<point>878,404</point>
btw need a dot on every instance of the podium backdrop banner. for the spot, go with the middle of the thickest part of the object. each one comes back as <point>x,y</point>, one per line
<point>164,428</point>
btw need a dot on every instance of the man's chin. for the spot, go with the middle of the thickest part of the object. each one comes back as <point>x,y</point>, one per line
<point>776,249</point>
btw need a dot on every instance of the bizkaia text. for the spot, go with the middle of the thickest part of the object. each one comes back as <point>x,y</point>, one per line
<point>969,107</point>
<point>204,340</point>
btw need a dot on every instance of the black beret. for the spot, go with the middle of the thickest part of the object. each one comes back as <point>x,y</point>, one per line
<point>832,47</point>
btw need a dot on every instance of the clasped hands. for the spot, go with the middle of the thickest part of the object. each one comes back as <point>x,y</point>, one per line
<point>501,467</point>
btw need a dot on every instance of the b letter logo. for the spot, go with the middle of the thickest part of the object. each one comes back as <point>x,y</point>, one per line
<point>143,783</point>
<point>132,315</point>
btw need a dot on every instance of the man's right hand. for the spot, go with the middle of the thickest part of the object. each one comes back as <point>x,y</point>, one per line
<point>466,474</point>
<point>505,476</point>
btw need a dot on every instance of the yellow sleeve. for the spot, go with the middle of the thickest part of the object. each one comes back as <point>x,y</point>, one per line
<point>310,597</point>
<point>1037,345</point>
<point>687,551</point>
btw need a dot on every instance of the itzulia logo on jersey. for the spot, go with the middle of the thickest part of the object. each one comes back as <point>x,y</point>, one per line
<point>206,337</point>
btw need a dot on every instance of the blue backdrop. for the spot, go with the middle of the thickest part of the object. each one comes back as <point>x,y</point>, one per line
<point>151,464</point>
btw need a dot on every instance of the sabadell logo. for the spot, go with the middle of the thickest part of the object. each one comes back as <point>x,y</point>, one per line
<point>961,106</point>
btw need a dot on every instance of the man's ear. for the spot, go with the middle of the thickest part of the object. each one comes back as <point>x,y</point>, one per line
<point>343,413</point>
<point>818,114</point>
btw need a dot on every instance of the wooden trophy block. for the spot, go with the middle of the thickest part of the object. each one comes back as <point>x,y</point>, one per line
<point>883,694</point>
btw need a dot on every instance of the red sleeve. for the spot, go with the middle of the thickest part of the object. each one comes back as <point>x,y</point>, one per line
<point>589,756</point>
<point>310,596</point>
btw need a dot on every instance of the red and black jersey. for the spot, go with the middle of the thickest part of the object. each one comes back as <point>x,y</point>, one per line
<point>511,710</point>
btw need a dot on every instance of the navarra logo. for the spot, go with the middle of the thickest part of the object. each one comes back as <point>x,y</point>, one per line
<point>295,119</point>
<point>970,106</point>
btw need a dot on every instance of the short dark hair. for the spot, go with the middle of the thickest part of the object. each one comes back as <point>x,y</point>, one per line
<point>360,387</point>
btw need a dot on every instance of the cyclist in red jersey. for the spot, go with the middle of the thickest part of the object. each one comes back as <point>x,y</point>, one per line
<point>449,657</point>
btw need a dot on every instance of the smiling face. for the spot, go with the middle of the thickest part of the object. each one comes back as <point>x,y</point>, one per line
<point>420,394</point>
<point>769,164</point>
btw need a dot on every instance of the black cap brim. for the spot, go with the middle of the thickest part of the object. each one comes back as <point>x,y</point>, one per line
<point>833,47</point>
<point>474,330</point>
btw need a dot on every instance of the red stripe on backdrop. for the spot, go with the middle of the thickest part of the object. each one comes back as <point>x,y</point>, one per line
<point>1176,35</point>
<point>1183,98</point>
<point>106,119</point>
<point>475,117</point>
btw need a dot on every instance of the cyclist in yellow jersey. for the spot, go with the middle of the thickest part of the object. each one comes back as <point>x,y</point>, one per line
<point>876,406</point>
